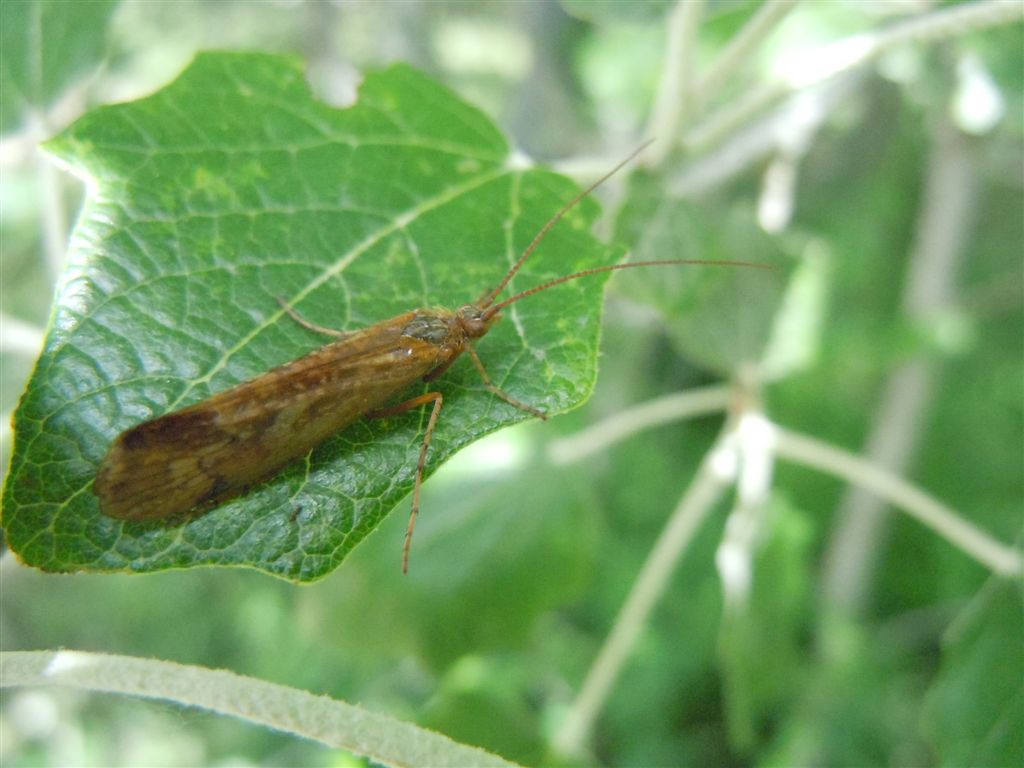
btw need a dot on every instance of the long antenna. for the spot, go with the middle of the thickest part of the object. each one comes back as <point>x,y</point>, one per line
<point>489,297</point>
<point>493,310</point>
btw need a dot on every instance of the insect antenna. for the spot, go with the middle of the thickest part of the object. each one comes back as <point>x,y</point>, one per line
<point>488,298</point>
<point>494,309</point>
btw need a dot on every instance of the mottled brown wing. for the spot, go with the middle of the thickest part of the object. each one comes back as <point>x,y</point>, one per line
<point>217,448</point>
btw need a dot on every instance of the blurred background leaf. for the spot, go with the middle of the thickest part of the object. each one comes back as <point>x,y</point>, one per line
<point>983,665</point>
<point>719,318</point>
<point>46,47</point>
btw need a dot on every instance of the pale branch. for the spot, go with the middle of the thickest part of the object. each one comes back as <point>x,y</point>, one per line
<point>811,452</point>
<point>715,474</point>
<point>629,421</point>
<point>378,737</point>
<point>847,55</point>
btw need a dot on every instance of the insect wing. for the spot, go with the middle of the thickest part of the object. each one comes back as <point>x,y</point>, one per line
<point>215,449</point>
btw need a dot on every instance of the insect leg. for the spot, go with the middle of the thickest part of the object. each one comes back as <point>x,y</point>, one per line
<point>440,369</point>
<point>496,390</point>
<point>306,324</point>
<point>437,400</point>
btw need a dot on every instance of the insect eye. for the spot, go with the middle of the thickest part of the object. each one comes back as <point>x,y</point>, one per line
<point>473,321</point>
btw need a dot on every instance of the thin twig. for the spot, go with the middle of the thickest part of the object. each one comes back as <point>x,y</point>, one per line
<point>628,422</point>
<point>675,91</point>
<point>943,224</point>
<point>747,521</point>
<point>848,54</point>
<point>715,473</point>
<point>811,452</point>
<point>760,25</point>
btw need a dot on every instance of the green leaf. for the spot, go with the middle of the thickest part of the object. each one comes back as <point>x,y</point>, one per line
<point>720,317</point>
<point>491,554</point>
<point>984,665</point>
<point>44,47</point>
<point>227,189</point>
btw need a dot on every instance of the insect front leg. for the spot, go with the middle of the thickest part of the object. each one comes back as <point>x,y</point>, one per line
<point>498,391</point>
<point>437,400</point>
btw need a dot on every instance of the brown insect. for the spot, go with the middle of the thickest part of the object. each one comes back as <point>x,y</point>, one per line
<point>216,449</point>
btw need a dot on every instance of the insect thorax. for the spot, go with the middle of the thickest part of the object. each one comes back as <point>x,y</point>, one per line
<point>432,326</point>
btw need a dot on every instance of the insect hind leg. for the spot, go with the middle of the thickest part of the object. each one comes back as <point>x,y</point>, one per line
<point>437,400</point>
